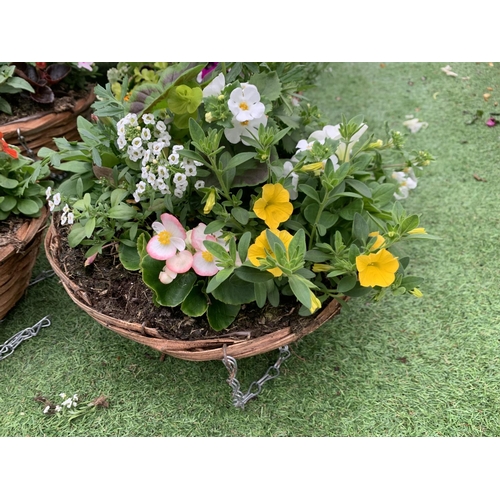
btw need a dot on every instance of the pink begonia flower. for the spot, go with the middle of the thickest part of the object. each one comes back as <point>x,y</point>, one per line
<point>203,261</point>
<point>491,122</point>
<point>167,276</point>
<point>170,237</point>
<point>85,65</point>
<point>180,263</point>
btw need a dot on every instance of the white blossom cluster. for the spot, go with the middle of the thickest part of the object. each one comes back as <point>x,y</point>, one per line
<point>54,200</point>
<point>70,402</point>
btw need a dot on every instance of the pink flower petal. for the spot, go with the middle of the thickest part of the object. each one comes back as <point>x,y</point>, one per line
<point>181,262</point>
<point>178,243</point>
<point>167,276</point>
<point>173,226</point>
<point>203,267</point>
<point>158,251</point>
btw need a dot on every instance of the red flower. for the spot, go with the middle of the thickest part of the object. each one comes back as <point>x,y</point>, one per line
<point>6,148</point>
<point>41,65</point>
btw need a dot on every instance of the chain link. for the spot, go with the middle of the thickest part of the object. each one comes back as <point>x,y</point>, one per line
<point>42,276</point>
<point>240,399</point>
<point>7,348</point>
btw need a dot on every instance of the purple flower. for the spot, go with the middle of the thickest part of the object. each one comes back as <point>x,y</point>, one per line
<point>491,122</point>
<point>206,71</point>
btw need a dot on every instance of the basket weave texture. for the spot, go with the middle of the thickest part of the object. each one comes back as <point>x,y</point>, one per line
<point>40,129</point>
<point>194,350</point>
<point>17,260</point>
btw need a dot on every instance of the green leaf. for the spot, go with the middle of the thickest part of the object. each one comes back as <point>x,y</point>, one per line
<point>218,279</point>
<point>268,84</point>
<point>129,257</point>
<point>8,203</point>
<point>214,226</point>
<point>360,187</point>
<point>252,274</point>
<point>221,315</point>
<point>76,235</point>
<point>234,291</point>
<point>217,250</point>
<point>239,159</point>
<point>28,206</point>
<point>310,192</point>
<point>8,183</point>
<point>260,290</point>
<point>122,211</point>
<point>196,303</point>
<point>117,195</point>
<point>183,99</point>
<point>360,228</point>
<point>300,290</point>
<point>346,283</point>
<point>352,208</point>
<point>243,245</point>
<point>241,215</point>
<point>409,223</point>
<point>384,194</point>
<point>89,227</point>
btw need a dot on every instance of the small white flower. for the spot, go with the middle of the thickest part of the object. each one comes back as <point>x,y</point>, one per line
<point>144,172</point>
<point>161,127</point>
<point>132,119</point>
<point>135,154</point>
<point>189,169</point>
<point>64,219</point>
<point>199,184</point>
<point>179,193</point>
<point>46,409</point>
<point>63,395</point>
<point>179,178</point>
<point>71,218</point>
<point>145,134</point>
<point>136,143</point>
<point>51,205</point>
<point>48,192</point>
<point>141,187</point>
<point>151,178</point>
<point>165,137</point>
<point>145,158</point>
<point>136,196</point>
<point>414,125</point>
<point>122,142</point>
<point>156,147</point>
<point>65,209</point>
<point>58,408</point>
<point>173,159</point>
<point>120,128</point>
<point>57,199</point>
<point>162,171</point>
<point>177,147</point>
<point>148,118</point>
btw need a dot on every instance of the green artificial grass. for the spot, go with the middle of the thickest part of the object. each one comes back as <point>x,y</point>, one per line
<point>400,367</point>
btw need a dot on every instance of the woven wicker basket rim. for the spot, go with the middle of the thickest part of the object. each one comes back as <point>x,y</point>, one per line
<point>192,350</point>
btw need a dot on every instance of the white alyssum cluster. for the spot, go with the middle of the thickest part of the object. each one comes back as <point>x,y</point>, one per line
<point>54,200</point>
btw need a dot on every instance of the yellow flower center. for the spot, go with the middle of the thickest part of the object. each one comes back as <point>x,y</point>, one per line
<point>244,106</point>
<point>245,123</point>
<point>164,237</point>
<point>207,256</point>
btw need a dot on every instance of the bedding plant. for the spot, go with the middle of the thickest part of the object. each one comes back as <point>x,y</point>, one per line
<point>221,185</point>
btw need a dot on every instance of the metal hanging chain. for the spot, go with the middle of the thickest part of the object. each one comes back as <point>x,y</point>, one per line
<point>240,399</point>
<point>23,143</point>
<point>42,276</point>
<point>8,347</point>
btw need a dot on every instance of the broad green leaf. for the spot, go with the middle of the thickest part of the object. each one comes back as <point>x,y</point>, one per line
<point>221,315</point>
<point>252,274</point>
<point>129,257</point>
<point>346,283</point>
<point>28,206</point>
<point>76,235</point>
<point>8,183</point>
<point>234,291</point>
<point>122,211</point>
<point>196,303</point>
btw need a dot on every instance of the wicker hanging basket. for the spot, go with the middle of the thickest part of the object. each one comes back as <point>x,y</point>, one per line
<point>17,259</point>
<point>40,129</point>
<point>194,350</point>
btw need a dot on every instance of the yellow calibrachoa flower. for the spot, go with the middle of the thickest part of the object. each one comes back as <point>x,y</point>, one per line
<point>379,242</point>
<point>261,246</point>
<point>315,303</point>
<point>209,203</point>
<point>274,207</point>
<point>417,230</point>
<point>377,269</point>
<point>312,167</point>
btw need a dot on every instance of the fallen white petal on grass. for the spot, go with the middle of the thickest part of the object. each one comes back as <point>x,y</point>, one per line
<point>414,125</point>
<point>447,70</point>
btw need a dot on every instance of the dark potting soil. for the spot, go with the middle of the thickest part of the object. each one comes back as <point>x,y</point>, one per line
<point>116,292</point>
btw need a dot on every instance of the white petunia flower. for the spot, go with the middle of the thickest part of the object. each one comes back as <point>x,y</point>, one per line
<point>242,129</point>
<point>406,181</point>
<point>215,87</point>
<point>330,131</point>
<point>244,103</point>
